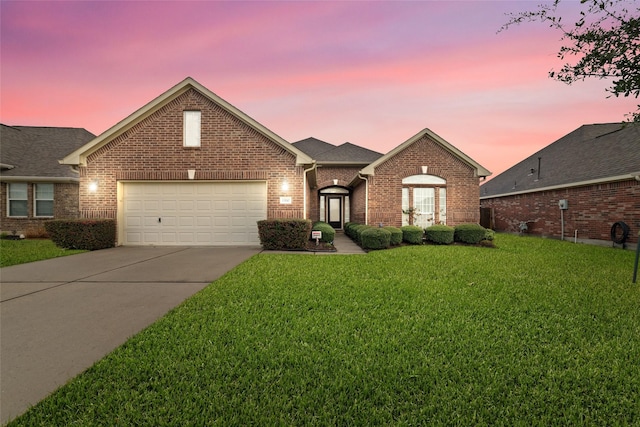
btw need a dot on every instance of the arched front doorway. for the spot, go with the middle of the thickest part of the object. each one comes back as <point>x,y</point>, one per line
<point>335,206</point>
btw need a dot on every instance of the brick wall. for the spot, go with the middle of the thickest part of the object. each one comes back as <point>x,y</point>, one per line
<point>65,206</point>
<point>385,187</point>
<point>153,150</point>
<point>325,176</point>
<point>592,210</point>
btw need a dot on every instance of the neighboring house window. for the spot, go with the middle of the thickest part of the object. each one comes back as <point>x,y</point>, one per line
<point>192,128</point>
<point>17,199</point>
<point>43,200</point>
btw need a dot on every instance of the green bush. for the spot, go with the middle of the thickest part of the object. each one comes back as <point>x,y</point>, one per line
<point>412,234</point>
<point>375,238</point>
<point>85,234</point>
<point>396,235</point>
<point>328,233</point>
<point>489,234</point>
<point>469,233</point>
<point>440,234</point>
<point>349,229</point>
<point>284,234</point>
<point>358,232</point>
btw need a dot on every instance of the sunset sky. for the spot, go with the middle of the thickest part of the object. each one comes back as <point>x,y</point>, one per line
<point>370,73</point>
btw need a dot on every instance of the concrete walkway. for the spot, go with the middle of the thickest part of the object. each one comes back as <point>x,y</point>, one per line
<point>60,316</point>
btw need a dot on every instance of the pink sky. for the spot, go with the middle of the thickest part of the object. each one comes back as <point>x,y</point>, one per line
<point>370,73</point>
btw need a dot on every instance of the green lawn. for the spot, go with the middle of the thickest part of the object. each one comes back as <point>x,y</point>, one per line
<point>535,332</point>
<point>14,252</point>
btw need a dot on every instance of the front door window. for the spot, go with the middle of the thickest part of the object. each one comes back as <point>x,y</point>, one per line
<point>334,212</point>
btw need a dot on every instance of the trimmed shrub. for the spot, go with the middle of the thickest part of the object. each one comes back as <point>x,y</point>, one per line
<point>358,232</point>
<point>469,233</point>
<point>375,238</point>
<point>328,233</point>
<point>284,234</point>
<point>86,234</point>
<point>489,234</point>
<point>412,234</point>
<point>348,228</point>
<point>396,235</point>
<point>440,234</point>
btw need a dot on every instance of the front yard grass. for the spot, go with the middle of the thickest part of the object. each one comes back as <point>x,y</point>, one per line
<point>536,332</point>
<point>13,252</point>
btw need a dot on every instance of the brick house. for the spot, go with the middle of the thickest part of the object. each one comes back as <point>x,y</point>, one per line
<point>595,170</point>
<point>34,187</point>
<point>425,173</point>
<point>188,168</point>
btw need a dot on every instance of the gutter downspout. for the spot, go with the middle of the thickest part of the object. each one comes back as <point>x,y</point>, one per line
<point>304,189</point>
<point>366,198</point>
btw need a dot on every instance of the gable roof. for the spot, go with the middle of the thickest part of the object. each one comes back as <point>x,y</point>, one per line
<point>590,154</point>
<point>31,153</point>
<point>79,156</point>
<point>480,171</point>
<point>345,154</point>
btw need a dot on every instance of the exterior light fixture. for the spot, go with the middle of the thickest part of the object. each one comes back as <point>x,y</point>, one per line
<point>93,186</point>
<point>285,186</point>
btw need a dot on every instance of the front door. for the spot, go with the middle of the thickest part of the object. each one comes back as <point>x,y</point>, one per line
<point>334,212</point>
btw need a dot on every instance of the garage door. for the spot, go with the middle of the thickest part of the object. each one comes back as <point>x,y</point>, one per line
<point>192,213</point>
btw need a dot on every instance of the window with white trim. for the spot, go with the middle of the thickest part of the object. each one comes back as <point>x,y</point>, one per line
<point>424,200</point>
<point>191,128</point>
<point>17,199</point>
<point>43,200</point>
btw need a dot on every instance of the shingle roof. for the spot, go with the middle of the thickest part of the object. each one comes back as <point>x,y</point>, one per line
<point>35,151</point>
<point>348,153</point>
<point>591,152</point>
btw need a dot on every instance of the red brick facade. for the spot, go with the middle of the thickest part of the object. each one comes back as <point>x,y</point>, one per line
<point>592,210</point>
<point>65,206</point>
<point>149,146</point>
<point>153,150</point>
<point>385,187</point>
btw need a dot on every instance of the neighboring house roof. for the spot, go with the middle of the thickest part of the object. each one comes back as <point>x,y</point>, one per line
<point>346,154</point>
<point>590,154</point>
<point>480,171</point>
<point>31,153</point>
<point>79,156</point>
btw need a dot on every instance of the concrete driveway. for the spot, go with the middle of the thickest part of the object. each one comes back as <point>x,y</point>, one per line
<point>59,316</point>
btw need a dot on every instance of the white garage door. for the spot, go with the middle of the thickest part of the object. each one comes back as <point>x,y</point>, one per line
<point>192,213</point>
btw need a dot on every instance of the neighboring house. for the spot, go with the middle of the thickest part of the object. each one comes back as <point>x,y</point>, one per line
<point>189,168</point>
<point>594,171</point>
<point>34,186</point>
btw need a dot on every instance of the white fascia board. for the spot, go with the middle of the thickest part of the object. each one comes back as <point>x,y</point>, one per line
<point>48,179</point>
<point>569,185</point>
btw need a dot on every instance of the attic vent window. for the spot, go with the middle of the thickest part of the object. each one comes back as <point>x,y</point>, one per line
<point>191,123</point>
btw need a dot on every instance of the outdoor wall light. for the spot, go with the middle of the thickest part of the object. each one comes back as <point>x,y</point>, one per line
<point>285,186</point>
<point>93,186</point>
